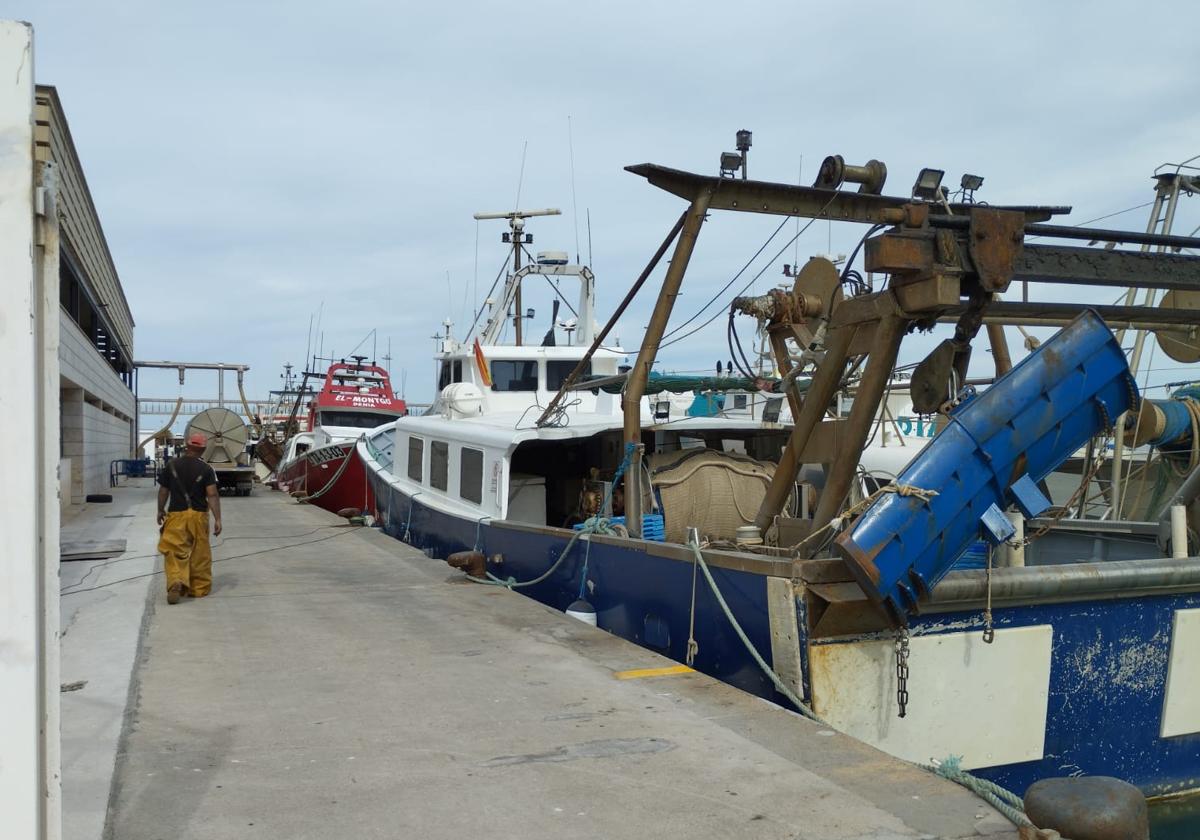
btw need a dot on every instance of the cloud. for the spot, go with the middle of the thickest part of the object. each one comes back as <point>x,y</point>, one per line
<point>253,161</point>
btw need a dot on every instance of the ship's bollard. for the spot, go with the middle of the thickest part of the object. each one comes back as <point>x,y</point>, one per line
<point>1089,808</point>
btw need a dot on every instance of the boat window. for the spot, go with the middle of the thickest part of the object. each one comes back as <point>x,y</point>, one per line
<point>301,448</point>
<point>451,372</point>
<point>439,464</point>
<point>416,454</point>
<point>355,419</point>
<point>557,371</point>
<point>511,375</point>
<point>470,475</point>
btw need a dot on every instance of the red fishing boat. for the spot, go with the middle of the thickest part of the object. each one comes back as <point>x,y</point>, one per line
<point>319,463</point>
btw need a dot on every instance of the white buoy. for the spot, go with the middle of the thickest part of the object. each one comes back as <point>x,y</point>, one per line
<point>583,611</point>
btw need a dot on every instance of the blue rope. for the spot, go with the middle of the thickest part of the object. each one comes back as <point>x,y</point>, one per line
<point>595,525</point>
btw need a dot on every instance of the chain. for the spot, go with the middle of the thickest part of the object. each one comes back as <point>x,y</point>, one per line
<point>989,632</point>
<point>902,670</point>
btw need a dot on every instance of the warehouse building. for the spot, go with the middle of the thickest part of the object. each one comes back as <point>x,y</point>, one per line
<point>99,408</point>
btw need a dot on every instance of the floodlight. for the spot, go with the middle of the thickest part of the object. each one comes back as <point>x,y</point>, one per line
<point>662,410</point>
<point>529,313</point>
<point>731,162</point>
<point>970,183</point>
<point>929,184</point>
<point>743,140</point>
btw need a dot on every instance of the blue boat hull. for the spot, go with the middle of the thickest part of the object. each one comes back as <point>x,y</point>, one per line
<point>637,596</point>
<point>1108,669</point>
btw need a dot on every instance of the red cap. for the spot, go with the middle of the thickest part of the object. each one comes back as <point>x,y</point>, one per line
<point>197,440</point>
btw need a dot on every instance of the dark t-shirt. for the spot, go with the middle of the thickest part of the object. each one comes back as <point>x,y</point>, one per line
<point>189,488</point>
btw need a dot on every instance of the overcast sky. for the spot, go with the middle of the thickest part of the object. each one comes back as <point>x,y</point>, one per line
<point>252,161</point>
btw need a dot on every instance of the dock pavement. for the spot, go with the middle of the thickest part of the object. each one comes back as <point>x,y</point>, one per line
<point>338,683</point>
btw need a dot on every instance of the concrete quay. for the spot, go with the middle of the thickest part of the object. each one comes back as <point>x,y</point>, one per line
<point>338,683</point>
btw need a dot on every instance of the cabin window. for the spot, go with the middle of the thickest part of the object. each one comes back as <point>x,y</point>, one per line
<point>510,375</point>
<point>558,370</point>
<point>356,419</point>
<point>301,448</point>
<point>470,475</point>
<point>416,455</point>
<point>439,464</point>
<point>739,400</point>
<point>451,372</point>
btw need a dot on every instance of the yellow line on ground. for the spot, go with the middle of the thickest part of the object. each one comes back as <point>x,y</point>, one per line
<point>638,673</point>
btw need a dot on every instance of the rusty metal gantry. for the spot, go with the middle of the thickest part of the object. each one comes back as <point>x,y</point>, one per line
<point>946,262</point>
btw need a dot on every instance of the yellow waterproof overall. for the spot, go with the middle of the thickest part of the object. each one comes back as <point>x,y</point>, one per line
<point>187,557</point>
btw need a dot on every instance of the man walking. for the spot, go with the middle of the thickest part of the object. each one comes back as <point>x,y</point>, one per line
<point>190,485</point>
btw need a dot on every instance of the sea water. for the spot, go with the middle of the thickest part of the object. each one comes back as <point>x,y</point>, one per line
<point>1175,819</point>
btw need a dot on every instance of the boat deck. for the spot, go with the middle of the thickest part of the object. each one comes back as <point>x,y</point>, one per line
<point>338,683</point>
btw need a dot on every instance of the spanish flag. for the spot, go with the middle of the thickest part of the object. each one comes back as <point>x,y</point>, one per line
<point>484,374</point>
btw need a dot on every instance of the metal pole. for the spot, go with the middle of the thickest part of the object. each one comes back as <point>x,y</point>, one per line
<point>820,391</point>
<point>518,235</point>
<point>1164,187</point>
<point>1063,232</point>
<point>635,388</point>
<point>1000,354</point>
<point>875,378</point>
<point>612,321</point>
<point>779,346</point>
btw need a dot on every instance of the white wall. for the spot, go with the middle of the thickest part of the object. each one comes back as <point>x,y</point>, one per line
<point>82,365</point>
<point>97,411</point>
<point>29,674</point>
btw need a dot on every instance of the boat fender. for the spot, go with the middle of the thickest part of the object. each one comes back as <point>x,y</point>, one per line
<point>348,512</point>
<point>471,562</point>
<point>582,611</point>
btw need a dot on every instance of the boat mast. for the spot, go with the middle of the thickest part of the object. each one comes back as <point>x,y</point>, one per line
<point>518,227</point>
<point>518,238</point>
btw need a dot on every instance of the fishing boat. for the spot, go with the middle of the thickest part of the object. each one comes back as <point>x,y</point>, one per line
<point>776,557</point>
<point>317,464</point>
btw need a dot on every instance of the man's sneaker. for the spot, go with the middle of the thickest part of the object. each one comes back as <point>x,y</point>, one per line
<point>174,593</point>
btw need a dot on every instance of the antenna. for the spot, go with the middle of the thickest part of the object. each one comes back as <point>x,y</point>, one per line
<point>475,282</point>
<point>521,177</point>
<point>574,202</point>
<point>518,238</point>
<point>308,344</point>
<point>800,181</point>
<point>589,225</point>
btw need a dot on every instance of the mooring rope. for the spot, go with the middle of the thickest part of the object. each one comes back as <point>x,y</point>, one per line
<point>1004,801</point>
